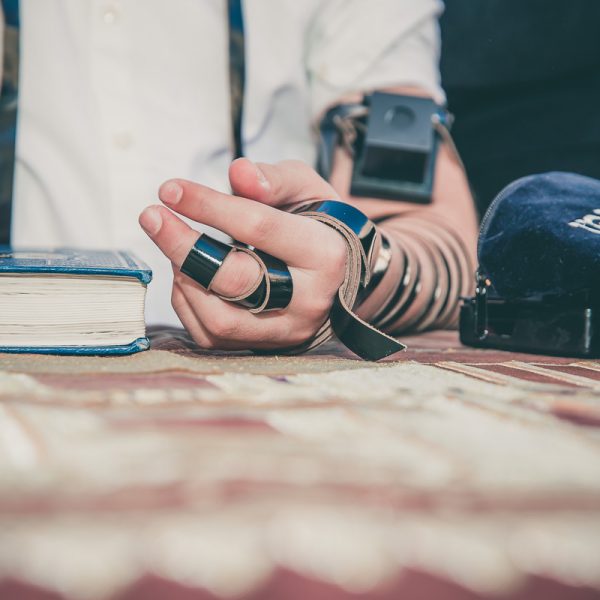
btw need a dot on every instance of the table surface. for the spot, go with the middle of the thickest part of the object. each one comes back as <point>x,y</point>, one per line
<point>446,473</point>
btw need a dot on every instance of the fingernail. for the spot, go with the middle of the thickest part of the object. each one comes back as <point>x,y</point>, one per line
<point>151,220</point>
<point>261,178</point>
<point>170,192</point>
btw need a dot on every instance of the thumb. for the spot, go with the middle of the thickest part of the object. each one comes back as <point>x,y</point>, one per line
<point>280,185</point>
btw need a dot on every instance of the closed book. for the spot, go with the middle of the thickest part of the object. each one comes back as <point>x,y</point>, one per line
<point>72,301</point>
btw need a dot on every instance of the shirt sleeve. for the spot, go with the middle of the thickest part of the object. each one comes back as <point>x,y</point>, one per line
<point>362,45</point>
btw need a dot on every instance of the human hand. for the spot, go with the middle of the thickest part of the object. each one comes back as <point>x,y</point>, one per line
<point>315,254</point>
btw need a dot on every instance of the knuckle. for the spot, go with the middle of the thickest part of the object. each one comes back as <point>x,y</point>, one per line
<point>240,273</point>
<point>337,257</point>
<point>296,165</point>
<point>301,328</point>
<point>263,227</point>
<point>319,308</point>
<point>221,326</point>
<point>180,250</point>
<point>197,198</point>
<point>303,333</point>
<point>206,342</point>
<point>177,299</point>
<point>178,279</point>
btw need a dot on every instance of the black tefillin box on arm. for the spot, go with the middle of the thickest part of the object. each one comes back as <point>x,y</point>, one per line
<point>395,158</point>
<point>538,287</point>
<point>393,140</point>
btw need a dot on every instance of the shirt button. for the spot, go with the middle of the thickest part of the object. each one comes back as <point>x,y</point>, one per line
<point>111,14</point>
<point>123,140</point>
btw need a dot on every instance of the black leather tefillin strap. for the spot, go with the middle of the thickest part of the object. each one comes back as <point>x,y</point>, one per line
<point>360,234</point>
<point>272,290</point>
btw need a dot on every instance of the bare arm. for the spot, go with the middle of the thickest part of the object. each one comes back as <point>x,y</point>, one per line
<point>438,240</point>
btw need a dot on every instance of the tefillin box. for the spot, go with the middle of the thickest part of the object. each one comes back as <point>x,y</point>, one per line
<point>395,158</point>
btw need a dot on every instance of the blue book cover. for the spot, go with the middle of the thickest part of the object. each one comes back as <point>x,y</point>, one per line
<point>72,261</point>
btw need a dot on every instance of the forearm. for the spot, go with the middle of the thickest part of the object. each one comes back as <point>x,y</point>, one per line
<point>432,249</point>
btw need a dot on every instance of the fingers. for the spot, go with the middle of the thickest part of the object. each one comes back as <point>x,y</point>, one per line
<point>224,325</point>
<point>200,334</point>
<point>170,234</point>
<point>237,276</point>
<point>281,185</point>
<point>315,254</point>
<point>239,271</point>
<point>188,319</point>
<point>294,239</point>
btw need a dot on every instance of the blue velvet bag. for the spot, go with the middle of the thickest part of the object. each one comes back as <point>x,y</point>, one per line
<point>541,237</point>
<point>539,268</point>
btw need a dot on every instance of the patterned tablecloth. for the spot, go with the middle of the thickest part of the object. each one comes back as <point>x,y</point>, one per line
<point>174,473</point>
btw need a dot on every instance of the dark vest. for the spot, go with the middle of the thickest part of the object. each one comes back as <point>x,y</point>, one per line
<point>523,80</point>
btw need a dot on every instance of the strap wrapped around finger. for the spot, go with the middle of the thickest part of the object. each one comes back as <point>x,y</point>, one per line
<point>204,260</point>
<point>272,290</point>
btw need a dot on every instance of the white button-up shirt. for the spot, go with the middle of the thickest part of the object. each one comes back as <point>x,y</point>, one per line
<point>117,96</point>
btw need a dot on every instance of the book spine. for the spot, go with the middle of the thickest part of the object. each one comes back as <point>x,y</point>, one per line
<point>138,345</point>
